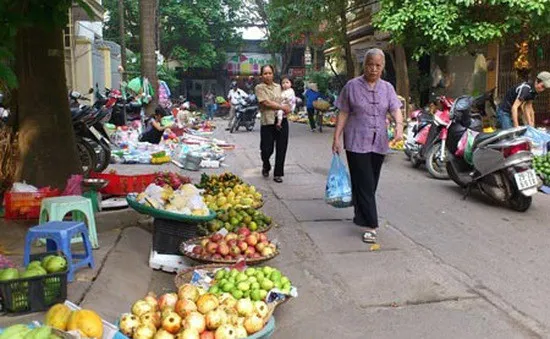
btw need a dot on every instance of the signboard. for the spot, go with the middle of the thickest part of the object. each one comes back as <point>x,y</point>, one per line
<point>297,72</point>
<point>250,63</point>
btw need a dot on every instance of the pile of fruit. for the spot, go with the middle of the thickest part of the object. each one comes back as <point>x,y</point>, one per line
<point>21,331</point>
<point>253,283</point>
<point>185,200</point>
<point>171,179</point>
<point>193,313</point>
<point>234,218</point>
<point>234,246</point>
<point>542,167</point>
<point>50,264</point>
<point>227,190</point>
<point>160,158</point>
<point>86,323</point>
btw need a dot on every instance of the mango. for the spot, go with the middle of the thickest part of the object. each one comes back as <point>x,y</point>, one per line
<point>58,316</point>
<point>9,274</point>
<point>86,322</point>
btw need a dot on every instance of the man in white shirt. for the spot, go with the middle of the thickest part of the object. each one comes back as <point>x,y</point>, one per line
<point>234,97</point>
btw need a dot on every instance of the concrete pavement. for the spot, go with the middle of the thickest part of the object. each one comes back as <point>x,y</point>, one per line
<point>446,268</point>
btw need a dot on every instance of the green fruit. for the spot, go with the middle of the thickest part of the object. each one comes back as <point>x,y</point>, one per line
<point>43,332</point>
<point>237,294</point>
<point>267,270</point>
<point>286,286</point>
<point>31,273</point>
<point>46,259</point>
<point>285,290</point>
<point>246,294</point>
<point>222,282</point>
<point>253,226</point>
<point>250,271</point>
<point>241,277</point>
<point>243,286</point>
<point>34,263</point>
<point>255,295</point>
<point>214,289</point>
<point>275,275</point>
<point>9,274</point>
<point>15,331</point>
<point>259,274</point>
<point>228,287</point>
<point>263,294</point>
<point>285,280</point>
<point>234,273</point>
<point>232,280</point>
<point>255,286</point>
<point>220,274</point>
<point>252,279</point>
<point>277,284</point>
<point>267,284</point>
<point>56,264</point>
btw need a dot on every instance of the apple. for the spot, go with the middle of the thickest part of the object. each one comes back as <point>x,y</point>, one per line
<point>207,335</point>
<point>240,331</point>
<point>184,307</point>
<point>232,242</point>
<point>151,299</point>
<point>145,332</point>
<point>262,237</point>
<point>245,307</point>
<point>223,249</point>
<point>215,318</point>
<point>253,324</point>
<point>243,231</point>
<point>189,333</point>
<point>217,256</point>
<point>204,242</point>
<point>128,324</point>
<point>228,257</point>
<point>260,246</point>
<point>226,331</point>
<point>249,252</point>
<point>168,300</point>
<point>241,237</point>
<point>216,237</point>
<point>242,245</point>
<point>141,307</point>
<point>195,320</point>
<point>256,255</point>
<point>234,251</point>
<point>267,251</point>
<point>252,240</point>
<point>172,323</point>
<point>211,247</point>
<point>261,309</point>
<point>230,236</point>
<point>207,302</point>
<point>197,250</point>
<point>188,291</point>
<point>163,334</point>
<point>152,318</point>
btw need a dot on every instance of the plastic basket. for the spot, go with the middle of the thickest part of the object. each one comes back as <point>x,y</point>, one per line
<point>124,184</point>
<point>33,294</point>
<point>24,205</point>
<point>169,234</point>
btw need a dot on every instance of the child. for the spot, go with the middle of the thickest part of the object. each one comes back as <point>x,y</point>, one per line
<point>288,98</point>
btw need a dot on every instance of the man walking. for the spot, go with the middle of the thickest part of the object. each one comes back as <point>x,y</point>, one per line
<point>235,95</point>
<point>520,97</point>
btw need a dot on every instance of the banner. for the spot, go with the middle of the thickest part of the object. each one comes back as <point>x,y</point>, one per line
<point>250,63</point>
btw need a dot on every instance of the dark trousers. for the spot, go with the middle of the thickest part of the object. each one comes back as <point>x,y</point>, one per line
<point>274,139</point>
<point>311,117</point>
<point>364,171</point>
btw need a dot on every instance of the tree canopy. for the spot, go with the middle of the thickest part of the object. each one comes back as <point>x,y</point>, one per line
<point>195,33</point>
<point>447,26</point>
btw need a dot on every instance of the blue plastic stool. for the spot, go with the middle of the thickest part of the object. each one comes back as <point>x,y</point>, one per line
<point>58,235</point>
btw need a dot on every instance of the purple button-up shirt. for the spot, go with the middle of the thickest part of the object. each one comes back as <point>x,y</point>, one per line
<point>366,130</point>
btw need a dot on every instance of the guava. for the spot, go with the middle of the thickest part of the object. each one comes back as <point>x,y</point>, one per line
<point>34,264</point>
<point>9,274</point>
<point>56,264</point>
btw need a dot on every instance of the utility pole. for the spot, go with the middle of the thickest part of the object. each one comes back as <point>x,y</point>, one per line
<point>122,35</point>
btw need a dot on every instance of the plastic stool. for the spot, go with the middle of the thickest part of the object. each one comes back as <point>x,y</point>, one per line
<point>55,209</point>
<point>58,235</point>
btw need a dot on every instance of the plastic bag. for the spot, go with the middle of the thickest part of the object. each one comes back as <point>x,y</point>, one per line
<point>539,139</point>
<point>338,188</point>
<point>74,185</point>
<point>23,187</point>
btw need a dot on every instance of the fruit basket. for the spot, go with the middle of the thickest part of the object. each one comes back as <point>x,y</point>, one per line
<point>36,293</point>
<point>204,231</point>
<point>236,218</point>
<point>202,258</point>
<point>143,209</point>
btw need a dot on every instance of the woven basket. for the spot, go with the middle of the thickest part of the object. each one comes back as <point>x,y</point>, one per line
<point>194,241</point>
<point>321,105</point>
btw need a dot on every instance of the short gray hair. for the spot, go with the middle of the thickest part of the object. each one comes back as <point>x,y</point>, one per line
<point>372,52</point>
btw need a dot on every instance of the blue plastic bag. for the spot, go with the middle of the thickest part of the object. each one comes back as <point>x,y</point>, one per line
<point>338,188</point>
<point>539,139</point>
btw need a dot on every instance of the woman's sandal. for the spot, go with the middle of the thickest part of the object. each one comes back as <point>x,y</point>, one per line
<point>278,179</point>
<point>369,237</point>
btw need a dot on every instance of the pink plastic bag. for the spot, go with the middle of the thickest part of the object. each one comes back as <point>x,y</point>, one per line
<point>74,185</point>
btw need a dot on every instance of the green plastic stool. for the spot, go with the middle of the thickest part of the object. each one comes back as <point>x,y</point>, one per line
<point>55,209</point>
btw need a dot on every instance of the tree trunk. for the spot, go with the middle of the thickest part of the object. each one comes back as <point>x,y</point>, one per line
<point>122,33</point>
<point>148,10</point>
<point>402,73</point>
<point>350,68</point>
<point>47,147</point>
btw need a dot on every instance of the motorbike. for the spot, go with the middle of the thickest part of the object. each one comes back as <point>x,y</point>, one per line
<point>431,140</point>
<point>245,114</point>
<point>418,121</point>
<point>500,164</point>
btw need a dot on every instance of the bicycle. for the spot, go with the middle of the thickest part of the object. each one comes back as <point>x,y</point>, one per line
<point>320,107</point>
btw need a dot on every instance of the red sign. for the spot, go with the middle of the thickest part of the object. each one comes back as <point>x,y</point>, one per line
<point>296,72</point>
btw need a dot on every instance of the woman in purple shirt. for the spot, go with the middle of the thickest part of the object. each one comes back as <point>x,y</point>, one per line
<point>364,103</point>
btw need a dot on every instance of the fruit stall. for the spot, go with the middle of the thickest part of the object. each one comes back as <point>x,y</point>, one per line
<point>216,240</point>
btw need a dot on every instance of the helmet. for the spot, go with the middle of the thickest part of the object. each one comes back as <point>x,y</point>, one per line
<point>462,105</point>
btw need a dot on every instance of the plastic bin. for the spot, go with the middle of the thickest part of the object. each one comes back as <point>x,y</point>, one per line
<point>124,184</point>
<point>33,294</point>
<point>169,234</point>
<point>23,205</point>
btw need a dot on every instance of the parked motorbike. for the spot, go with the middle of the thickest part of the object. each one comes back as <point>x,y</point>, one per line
<point>245,114</point>
<point>431,140</point>
<point>501,162</point>
<point>417,122</point>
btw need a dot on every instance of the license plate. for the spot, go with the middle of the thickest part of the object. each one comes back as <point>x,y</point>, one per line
<point>526,179</point>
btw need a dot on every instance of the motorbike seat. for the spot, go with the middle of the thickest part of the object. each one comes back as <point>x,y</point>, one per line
<point>482,137</point>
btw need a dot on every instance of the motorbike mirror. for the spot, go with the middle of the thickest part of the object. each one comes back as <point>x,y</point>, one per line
<point>91,90</point>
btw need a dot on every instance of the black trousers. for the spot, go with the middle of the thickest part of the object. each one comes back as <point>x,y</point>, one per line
<point>311,117</point>
<point>274,139</point>
<point>364,171</point>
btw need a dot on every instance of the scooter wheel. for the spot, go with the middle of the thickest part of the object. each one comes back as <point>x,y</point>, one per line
<point>435,167</point>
